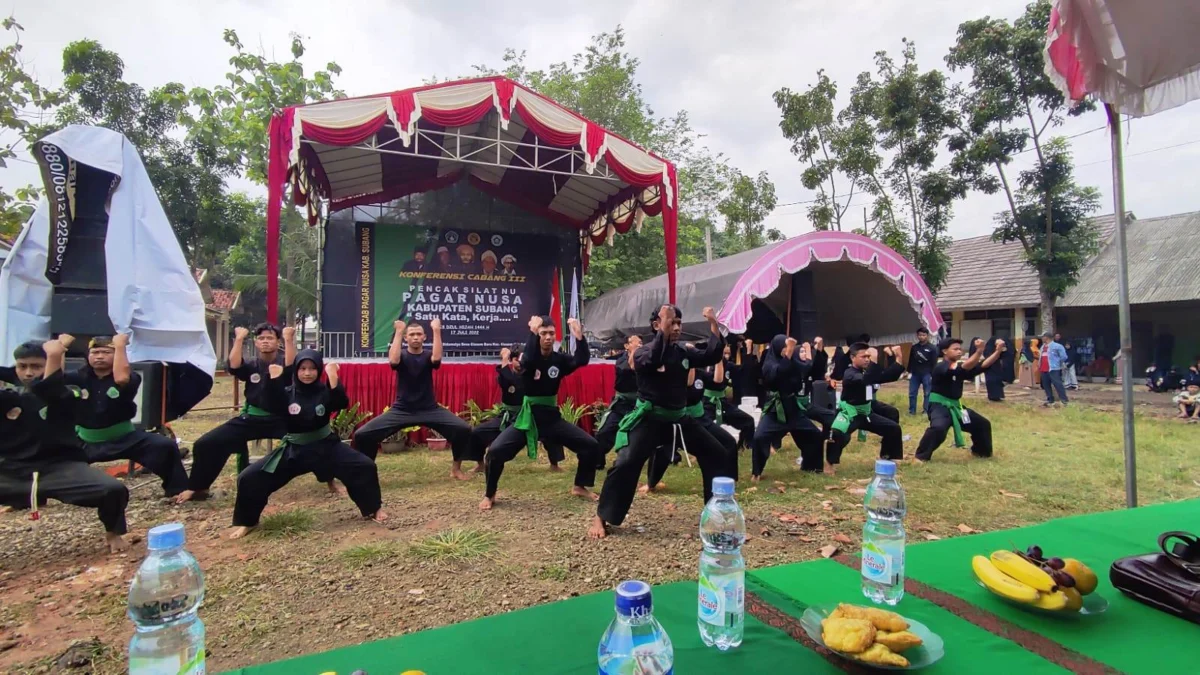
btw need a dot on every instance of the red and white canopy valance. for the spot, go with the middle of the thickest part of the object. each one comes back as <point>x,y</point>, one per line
<point>506,139</point>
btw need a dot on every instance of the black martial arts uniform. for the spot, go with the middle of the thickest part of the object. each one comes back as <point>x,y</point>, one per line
<point>624,398</point>
<point>785,410</point>
<point>512,395</point>
<point>947,411</point>
<point>309,446</point>
<point>921,359</point>
<point>719,410</point>
<point>416,406</point>
<point>855,411</point>
<point>103,414</point>
<point>993,376</point>
<point>540,418</point>
<point>658,419</point>
<point>253,423</point>
<point>36,435</point>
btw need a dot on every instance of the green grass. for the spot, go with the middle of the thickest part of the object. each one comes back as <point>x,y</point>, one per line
<point>288,524</point>
<point>553,573</point>
<point>454,545</point>
<point>368,554</point>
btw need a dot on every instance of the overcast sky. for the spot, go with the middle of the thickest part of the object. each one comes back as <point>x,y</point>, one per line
<point>720,61</point>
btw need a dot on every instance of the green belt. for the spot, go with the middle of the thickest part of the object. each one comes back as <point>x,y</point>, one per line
<point>118,430</point>
<point>254,411</point>
<point>640,411</point>
<point>717,399</point>
<point>508,414</point>
<point>846,414</point>
<point>627,396</point>
<point>303,438</point>
<point>956,409</point>
<point>526,423</point>
<point>774,405</point>
<point>695,410</point>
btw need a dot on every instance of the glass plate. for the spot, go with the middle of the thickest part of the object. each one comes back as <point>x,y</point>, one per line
<point>1092,604</point>
<point>931,650</point>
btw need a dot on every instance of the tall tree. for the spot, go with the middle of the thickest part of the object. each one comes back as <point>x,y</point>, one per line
<point>1008,104</point>
<point>749,202</point>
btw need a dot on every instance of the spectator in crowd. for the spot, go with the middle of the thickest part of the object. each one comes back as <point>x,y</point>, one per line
<point>1051,362</point>
<point>1070,371</point>
<point>1188,401</point>
<point>1026,362</point>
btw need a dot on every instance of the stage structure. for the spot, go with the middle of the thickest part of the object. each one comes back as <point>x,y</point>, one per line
<point>832,284</point>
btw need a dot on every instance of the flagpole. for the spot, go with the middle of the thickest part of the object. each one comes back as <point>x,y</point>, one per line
<point>1125,368</point>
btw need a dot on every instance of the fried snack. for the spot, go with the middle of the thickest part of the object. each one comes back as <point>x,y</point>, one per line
<point>897,642</point>
<point>849,636</point>
<point>881,619</point>
<point>878,653</point>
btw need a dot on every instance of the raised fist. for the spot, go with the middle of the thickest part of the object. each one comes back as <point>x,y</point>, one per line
<point>1000,346</point>
<point>978,343</point>
<point>241,333</point>
<point>121,340</point>
<point>709,314</point>
<point>535,322</point>
<point>634,343</point>
<point>436,324</point>
<point>791,342</point>
<point>818,342</point>
<point>275,370</point>
<point>887,351</point>
<point>665,314</point>
<point>398,326</point>
<point>505,353</point>
<point>289,333</point>
<point>331,369</point>
<point>66,339</point>
<point>873,353</point>
<point>54,348</point>
<point>574,325</point>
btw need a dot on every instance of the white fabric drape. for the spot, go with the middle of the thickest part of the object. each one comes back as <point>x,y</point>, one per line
<point>25,293</point>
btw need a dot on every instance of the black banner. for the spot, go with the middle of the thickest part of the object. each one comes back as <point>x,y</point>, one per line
<point>58,175</point>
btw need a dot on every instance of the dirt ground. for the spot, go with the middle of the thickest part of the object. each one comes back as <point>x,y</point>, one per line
<point>335,580</point>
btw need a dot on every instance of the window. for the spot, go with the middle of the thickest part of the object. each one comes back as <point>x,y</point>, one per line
<point>1002,328</point>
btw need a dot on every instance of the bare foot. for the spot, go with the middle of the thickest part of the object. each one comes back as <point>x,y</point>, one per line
<point>6,509</point>
<point>334,488</point>
<point>1182,416</point>
<point>644,488</point>
<point>191,495</point>
<point>240,531</point>
<point>918,460</point>
<point>480,468</point>
<point>585,493</point>
<point>487,503</point>
<point>458,474</point>
<point>830,469</point>
<point>597,529</point>
<point>116,543</point>
<point>755,479</point>
<point>379,516</point>
<point>556,468</point>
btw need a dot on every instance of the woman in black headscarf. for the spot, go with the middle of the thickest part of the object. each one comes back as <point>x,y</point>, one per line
<point>785,377</point>
<point>310,446</point>
<point>994,376</point>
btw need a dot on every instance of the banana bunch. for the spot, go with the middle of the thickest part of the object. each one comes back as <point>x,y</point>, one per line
<point>1055,584</point>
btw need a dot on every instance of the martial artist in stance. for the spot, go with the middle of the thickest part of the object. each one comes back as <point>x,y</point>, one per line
<point>542,371</point>
<point>309,446</point>
<point>660,418</point>
<point>40,456</point>
<point>947,409</point>
<point>512,395</point>
<point>624,397</point>
<point>786,367</point>
<point>104,412</point>
<point>855,411</point>
<point>415,404</point>
<point>718,409</point>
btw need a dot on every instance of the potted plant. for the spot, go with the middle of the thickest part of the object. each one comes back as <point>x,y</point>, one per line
<point>474,415</point>
<point>574,413</point>
<point>436,441</point>
<point>347,420</point>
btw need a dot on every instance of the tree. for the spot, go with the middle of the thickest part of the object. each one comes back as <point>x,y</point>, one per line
<point>21,99</point>
<point>749,202</point>
<point>246,260</point>
<point>1007,103</point>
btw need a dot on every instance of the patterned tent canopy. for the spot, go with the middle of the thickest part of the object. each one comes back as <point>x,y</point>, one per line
<point>509,141</point>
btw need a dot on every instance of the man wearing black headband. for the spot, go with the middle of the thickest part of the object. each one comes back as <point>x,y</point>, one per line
<point>946,409</point>
<point>659,418</point>
<point>104,412</point>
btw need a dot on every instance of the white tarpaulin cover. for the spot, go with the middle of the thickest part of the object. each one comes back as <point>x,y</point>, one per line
<point>151,291</point>
<point>1140,56</point>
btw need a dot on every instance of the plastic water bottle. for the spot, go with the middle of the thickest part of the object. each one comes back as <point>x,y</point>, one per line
<point>883,537</point>
<point>721,617</point>
<point>163,602</point>
<point>635,643</point>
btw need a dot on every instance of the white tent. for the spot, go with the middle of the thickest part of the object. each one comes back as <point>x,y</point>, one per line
<point>1139,57</point>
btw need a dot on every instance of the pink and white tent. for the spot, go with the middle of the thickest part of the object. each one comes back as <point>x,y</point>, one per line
<point>508,140</point>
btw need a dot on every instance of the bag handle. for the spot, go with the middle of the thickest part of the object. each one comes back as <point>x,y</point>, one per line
<point>1185,552</point>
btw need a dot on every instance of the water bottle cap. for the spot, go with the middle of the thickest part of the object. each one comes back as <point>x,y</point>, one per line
<point>723,486</point>
<point>633,598</point>
<point>885,467</point>
<point>165,537</point>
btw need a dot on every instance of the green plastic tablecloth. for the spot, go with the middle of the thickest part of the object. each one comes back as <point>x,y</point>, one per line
<point>1130,636</point>
<point>969,649</point>
<point>556,639</point>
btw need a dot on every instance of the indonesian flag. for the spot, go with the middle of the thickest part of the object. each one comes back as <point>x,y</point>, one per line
<point>556,301</point>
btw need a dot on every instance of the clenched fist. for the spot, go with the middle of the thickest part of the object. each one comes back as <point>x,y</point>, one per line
<point>121,340</point>
<point>978,343</point>
<point>436,324</point>
<point>574,325</point>
<point>505,354</point>
<point>634,343</point>
<point>709,314</point>
<point>398,326</point>
<point>1000,346</point>
<point>275,370</point>
<point>66,339</point>
<point>289,333</point>
<point>54,348</point>
<point>331,369</point>
<point>665,314</point>
<point>240,333</point>
<point>535,322</point>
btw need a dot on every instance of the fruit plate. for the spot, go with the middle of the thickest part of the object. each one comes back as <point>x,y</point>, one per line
<point>1092,604</point>
<point>930,652</point>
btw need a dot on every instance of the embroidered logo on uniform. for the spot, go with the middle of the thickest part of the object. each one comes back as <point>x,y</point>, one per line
<point>13,413</point>
<point>84,393</point>
<point>699,384</point>
<point>112,392</point>
<point>685,364</point>
<point>294,409</point>
<point>553,372</point>
<point>537,374</point>
<point>255,378</point>
<point>320,409</point>
<point>512,390</point>
<point>42,413</point>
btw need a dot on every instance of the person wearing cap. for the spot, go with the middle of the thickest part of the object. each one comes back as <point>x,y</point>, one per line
<point>487,263</point>
<point>855,411</point>
<point>786,366</point>
<point>512,396</point>
<point>1050,363</point>
<point>542,372</point>
<point>104,410</point>
<point>41,458</point>
<point>509,261</point>
<point>309,446</point>
<point>946,409</point>
<point>416,402</point>
<point>623,400</point>
<point>922,357</point>
<point>660,418</point>
<point>444,264</point>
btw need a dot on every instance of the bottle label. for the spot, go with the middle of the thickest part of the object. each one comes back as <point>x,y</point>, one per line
<point>180,664</point>
<point>722,599</point>
<point>882,564</point>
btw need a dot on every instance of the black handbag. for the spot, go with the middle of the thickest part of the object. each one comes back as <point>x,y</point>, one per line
<point>1169,581</point>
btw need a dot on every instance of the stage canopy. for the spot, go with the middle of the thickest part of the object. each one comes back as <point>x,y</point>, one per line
<point>509,141</point>
<point>854,285</point>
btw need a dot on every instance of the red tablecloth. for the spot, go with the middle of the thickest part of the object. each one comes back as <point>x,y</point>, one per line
<point>373,385</point>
